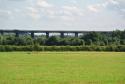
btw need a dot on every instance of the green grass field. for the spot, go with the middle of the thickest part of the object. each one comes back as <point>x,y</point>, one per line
<point>62,68</point>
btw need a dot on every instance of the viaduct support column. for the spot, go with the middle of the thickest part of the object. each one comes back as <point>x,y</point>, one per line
<point>76,34</point>
<point>47,34</point>
<point>32,34</point>
<point>17,34</point>
<point>62,34</point>
<point>2,33</point>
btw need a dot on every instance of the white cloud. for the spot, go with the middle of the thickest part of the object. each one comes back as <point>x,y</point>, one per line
<point>33,12</point>
<point>93,8</point>
<point>51,11</point>
<point>105,4</point>
<point>44,9</point>
<point>34,16</point>
<point>67,18</point>
<point>74,1</point>
<point>17,10</point>
<point>72,10</point>
<point>5,12</point>
<point>99,6</point>
<point>113,2</point>
<point>32,9</point>
<point>69,8</point>
<point>43,3</point>
<point>123,10</point>
<point>59,14</point>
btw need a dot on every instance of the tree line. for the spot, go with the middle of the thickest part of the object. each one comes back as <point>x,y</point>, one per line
<point>94,38</point>
<point>115,38</point>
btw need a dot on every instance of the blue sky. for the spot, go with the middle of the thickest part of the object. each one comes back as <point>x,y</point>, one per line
<point>62,14</point>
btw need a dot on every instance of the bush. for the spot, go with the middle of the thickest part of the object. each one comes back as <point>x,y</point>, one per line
<point>2,48</point>
<point>120,48</point>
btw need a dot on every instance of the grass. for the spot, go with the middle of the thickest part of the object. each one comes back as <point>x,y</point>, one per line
<point>62,68</point>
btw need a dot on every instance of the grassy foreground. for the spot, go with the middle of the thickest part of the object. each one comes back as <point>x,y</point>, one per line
<point>62,68</point>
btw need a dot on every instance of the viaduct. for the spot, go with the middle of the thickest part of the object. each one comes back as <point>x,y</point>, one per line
<point>47,32</point>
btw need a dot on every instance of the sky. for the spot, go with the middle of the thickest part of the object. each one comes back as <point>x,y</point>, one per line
<point>90,15</point>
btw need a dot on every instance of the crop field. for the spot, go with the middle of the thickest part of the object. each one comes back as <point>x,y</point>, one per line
<point>62,68</point>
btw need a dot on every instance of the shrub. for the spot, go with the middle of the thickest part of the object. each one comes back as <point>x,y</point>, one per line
<point>61,48</point>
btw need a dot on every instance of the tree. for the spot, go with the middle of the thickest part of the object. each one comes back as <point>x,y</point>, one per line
<point>76,42</point>
<point>40,40</point>
<point>23,40</point>
<point>1,39</point>
<point>92,38</point>
<point>53,40</point>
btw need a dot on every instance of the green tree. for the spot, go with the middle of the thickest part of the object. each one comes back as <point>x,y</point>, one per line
<point>40,40</point>
<point>53,40</point>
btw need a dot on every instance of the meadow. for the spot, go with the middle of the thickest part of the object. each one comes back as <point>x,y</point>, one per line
<point>62,67</point>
